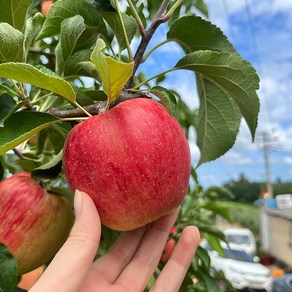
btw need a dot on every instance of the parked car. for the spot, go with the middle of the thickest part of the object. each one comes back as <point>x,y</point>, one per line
<point>240,269</point>
<point>241,238</point>
<point>283,283</point>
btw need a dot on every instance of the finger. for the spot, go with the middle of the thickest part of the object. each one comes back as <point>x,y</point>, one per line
<point>137,274</point>
<point>120,254</point>
<point>71,264</point>
<point>171,277</point>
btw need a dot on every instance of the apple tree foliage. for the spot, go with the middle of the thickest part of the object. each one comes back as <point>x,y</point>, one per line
<point>84,56</point>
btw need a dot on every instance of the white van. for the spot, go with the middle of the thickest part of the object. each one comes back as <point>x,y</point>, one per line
<point>241,238</point>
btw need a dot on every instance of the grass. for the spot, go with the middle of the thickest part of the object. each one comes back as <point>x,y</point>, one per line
<point>245,215</point>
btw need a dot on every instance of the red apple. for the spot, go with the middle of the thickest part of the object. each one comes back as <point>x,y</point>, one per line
<point>45,6</point>
<point>168,249</point>
<point>33,223</point>
<point>133,160</point>
<point>173,230</point>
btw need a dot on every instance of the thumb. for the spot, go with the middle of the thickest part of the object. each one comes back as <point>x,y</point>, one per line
<point>70,266</point>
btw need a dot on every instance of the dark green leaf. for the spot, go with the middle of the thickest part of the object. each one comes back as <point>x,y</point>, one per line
<point>32,29</point>
<point>11,44</point>
<point>21,126</point>
<point>209,282</point>
<point>51,169</point>
<point>71,30</point>
<point>72,66</point>
<point>8,270</point>
<point>7,103</point>
<point>130,24</point>
<point>193,33</point>
<point>67,8</point>
<point>217,122</point>
<point>57,135</point>
<point>222,78</point>
<point>167,98</point>
<point>214,243</point>
<point>104,5</point>
<point>14,12</point>
<point>204,257</point>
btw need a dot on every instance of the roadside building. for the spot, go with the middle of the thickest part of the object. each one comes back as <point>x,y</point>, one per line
<point>276,232</point>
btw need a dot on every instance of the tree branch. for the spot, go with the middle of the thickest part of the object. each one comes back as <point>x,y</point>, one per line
<point>97,108</point>
<point>146,37</point>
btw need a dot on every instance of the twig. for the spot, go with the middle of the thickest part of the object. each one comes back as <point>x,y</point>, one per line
<point>18,153</point>
<point>146,37</point>
<point>95,109</point>
<point>41,52</point>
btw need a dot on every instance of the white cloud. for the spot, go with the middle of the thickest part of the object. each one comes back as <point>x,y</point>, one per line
<point>233,157</point>
<point>288,160</point>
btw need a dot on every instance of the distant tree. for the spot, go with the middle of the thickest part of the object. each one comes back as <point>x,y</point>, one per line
<point>244,190</point>
<point>282,188</point>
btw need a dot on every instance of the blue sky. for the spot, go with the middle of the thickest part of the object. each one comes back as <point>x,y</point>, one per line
<point>261,31</point>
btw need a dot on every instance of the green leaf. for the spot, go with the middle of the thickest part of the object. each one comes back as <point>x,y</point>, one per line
<point>71,30</point>
<point>167,98</point>
<point>32,29</point>
<point>113,74</point>
<point>204,257</point>
<point>193,33</point>
<point>8,270</point>
<point>218,121</point>
<point>210,230</point>
<point>64,9</point>
<point>11,44</point>
<point>14,12</point>
<point>214,243</point>
<point>57,135</point>
<point>45,79</point>
<point>5,88</point>
<point>130,24</point>
<point>104,5</point>
<point>226,83</point>
<point>50,169</point>
<point>210,283</point>
<point>218,209</point>
<point>202,7</point>
<point>7,103</point>
<point>21,126</point>
<point>73,64</point>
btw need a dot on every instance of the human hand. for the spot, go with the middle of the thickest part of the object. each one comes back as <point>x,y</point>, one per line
<point>127,266</point>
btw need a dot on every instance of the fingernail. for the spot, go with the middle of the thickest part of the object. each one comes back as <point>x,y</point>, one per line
<point>77,202</point>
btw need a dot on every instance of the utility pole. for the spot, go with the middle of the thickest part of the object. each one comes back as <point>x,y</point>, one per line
<point>266,147</point>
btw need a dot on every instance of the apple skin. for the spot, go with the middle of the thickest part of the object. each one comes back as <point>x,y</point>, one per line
<point>168,249</point>
<point>34,224</point>
<point>133,160</point>
<point>169,246</point>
